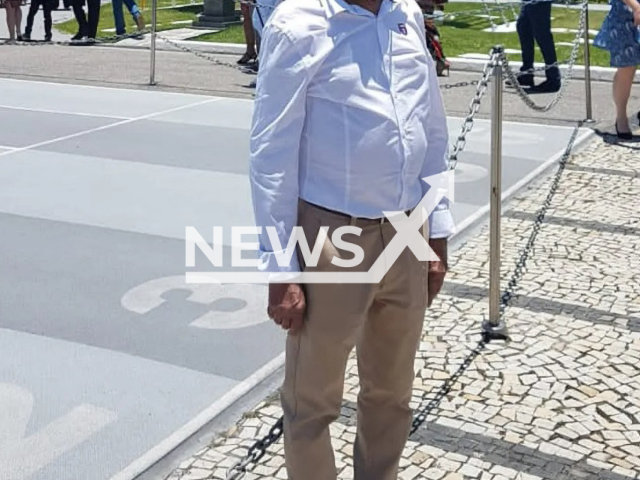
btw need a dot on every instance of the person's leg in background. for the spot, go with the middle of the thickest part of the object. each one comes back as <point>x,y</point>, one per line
<point>541,24</point>
<point>135,12</point>
<point>527,46</point>
<point>622,82</point>
<point>17,11</point>
<point>46,10</point>
<point>33,9</point>
<point>118,16</point>
<point>93,18</point>
<point>81,19</point>
<point>11,20</point>
<point>250,53</point>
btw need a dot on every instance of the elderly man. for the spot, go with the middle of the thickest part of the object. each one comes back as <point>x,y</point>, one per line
<point>348,119</point>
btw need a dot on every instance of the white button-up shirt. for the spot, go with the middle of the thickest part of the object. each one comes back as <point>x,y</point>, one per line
<point>348,115</point>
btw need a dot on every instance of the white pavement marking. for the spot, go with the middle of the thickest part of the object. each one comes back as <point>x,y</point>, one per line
<point>106,127</point>
<point>79,190</point>
<point>216,408</point>
<point>236,305</point>
<point>63,112</point>
<point>20,456</point>
<point>97,87</point>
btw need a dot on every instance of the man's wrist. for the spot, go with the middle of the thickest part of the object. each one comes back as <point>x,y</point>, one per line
<point>440,247</point>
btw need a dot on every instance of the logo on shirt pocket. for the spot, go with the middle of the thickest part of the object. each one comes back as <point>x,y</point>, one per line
<point>402,28</point>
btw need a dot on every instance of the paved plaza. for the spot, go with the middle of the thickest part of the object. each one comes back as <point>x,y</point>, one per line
<point>560,401</point>
<point>110,361</point>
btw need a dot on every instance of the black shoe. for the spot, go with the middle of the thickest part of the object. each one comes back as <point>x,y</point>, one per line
<point>76,37</point>
<point>26,37</point>
<point>47,38</point>
<point>548,86</point>
<point>624,135</point>
<point>523,80</point>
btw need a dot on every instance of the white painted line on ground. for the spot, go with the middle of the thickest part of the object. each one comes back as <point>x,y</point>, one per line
<point>21,456</point>
<point>507,194</point>
<point>174,440</point>
<point>106,127</point>
<point>62,112</point>
<point>98,87</point>
<point>4,147</point>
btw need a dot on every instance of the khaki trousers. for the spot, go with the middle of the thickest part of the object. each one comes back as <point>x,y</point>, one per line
<point>384,322</point>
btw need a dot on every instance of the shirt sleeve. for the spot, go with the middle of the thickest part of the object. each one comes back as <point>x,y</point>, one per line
<point>278,118</point>
<point>441,223</point>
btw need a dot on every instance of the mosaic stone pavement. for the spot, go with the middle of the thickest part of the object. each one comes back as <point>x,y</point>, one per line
<point>560,401</point>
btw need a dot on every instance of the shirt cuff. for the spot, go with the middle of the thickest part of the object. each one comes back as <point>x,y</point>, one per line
<point>279,273</point>
<point>441,224</point>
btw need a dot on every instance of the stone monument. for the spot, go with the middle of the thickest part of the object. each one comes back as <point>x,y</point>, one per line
<point>218,14</point>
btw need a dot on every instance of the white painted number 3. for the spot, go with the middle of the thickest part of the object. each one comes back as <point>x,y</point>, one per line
<point>230,305</point>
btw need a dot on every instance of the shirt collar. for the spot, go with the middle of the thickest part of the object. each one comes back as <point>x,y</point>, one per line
<point>334,7</point>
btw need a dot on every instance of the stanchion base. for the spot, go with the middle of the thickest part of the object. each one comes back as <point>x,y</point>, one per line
<point>495,332</point>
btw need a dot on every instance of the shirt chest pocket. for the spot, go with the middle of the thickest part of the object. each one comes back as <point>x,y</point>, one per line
<point>407,46</point>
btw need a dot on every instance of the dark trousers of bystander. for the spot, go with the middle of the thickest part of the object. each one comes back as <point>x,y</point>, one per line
<point>87,27</point>
<point>33,9</point>
<point>534,24</point>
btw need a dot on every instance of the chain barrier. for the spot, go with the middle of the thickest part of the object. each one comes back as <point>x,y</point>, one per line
<point>474,107</point>
<point>522,93</point>
<point>448,384</point>
<point>203,55</point>
<point>521,264</point>
<point>256,451</point>
<point>508,294</point>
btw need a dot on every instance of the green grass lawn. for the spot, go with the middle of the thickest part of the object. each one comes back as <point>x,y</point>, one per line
<point>464,34</point>
<point>461,34</point>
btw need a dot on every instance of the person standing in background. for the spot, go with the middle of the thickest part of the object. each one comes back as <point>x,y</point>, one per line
<point>534,26</point>
<point>14,18</point>
<point>620,35</point>
<point>46,11</point>
<point>87,29</point>
<point>118,15</point>
<point>250,53</point>
<point>434,44</point>
<point>260,17</point>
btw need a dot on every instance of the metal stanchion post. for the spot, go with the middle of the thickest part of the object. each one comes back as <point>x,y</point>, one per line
<point>495,327</point>
<point>587,66</point>
<point>154,20</point>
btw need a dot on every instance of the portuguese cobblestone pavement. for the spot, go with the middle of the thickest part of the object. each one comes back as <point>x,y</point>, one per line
<point>560,401</point>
